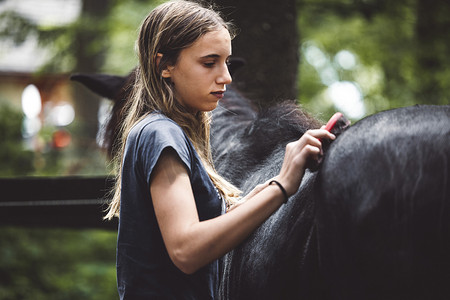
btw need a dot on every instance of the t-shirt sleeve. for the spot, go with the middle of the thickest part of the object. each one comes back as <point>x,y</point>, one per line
<point>156,137</point>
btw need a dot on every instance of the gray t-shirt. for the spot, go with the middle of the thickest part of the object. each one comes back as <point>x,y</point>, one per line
<point>144,269</point>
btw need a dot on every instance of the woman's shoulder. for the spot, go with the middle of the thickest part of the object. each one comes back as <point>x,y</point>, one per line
<point>155,132</point>
<point>157,129</point>
<point>155,123</point>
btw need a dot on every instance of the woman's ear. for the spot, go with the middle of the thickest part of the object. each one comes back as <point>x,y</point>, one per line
<point>166,72</point>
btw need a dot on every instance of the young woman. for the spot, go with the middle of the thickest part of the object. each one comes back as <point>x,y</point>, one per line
<point>172,203</point>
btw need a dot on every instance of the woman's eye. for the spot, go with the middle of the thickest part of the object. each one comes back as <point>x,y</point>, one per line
<point>209,64</point>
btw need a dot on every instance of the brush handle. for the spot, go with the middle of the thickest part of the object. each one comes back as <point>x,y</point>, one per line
<point>333,120</point>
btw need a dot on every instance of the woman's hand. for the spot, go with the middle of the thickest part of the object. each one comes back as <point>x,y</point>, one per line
<point>298,155</point>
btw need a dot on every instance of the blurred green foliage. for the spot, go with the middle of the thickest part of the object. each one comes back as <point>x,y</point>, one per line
<point>57,264</point>
<point>14,158</point>
<point>387,40</point>
<point>48,263</point>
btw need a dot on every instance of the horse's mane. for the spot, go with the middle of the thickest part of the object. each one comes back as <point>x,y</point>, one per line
<point>253,133</point>
<point>278,125</point>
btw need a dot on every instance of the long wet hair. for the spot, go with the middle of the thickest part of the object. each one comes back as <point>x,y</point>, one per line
<point>168,29</point>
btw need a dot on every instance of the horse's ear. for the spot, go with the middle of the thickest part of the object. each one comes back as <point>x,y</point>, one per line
<point>107,86</point>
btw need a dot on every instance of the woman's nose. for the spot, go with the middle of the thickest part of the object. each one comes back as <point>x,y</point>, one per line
<point>224,76</point>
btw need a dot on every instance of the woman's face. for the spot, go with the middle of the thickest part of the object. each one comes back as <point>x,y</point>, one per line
<point>201,73</point>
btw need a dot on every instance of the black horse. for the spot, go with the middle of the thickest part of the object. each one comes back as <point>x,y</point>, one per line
<point>373,222</point>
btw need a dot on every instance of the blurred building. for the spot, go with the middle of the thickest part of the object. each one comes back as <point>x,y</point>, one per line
<point>20,62</point>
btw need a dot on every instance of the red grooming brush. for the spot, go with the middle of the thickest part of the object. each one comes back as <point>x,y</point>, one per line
<point>333,120</point>
<point>337,124</point>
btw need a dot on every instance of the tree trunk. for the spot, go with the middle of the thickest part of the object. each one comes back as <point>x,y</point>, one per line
<point>432,51</point>
<point>90,39</point>
<point>268,41</point>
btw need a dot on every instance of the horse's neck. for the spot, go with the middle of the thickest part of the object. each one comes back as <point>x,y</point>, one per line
<point>230,121</point>
<point>242,137</point>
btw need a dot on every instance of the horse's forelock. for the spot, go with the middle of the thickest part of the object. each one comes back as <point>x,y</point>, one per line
<point>278,125</point>
<point>287,118</point>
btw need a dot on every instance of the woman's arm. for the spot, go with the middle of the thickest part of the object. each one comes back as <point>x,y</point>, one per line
<point>192,244</point>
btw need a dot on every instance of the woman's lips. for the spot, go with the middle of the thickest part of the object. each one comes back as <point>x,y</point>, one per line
<point>218,94</point>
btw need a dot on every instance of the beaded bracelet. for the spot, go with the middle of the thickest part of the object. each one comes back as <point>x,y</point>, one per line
<point>282,190</point>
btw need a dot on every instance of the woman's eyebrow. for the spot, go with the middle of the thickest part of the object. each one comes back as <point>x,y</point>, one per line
<point>213,56</point>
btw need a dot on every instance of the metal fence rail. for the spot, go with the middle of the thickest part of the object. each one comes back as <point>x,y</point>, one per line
<point>71,202</point>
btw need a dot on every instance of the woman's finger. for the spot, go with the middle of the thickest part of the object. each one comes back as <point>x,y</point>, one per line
<point>321,133</point>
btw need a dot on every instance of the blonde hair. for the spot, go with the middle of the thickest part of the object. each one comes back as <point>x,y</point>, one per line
<point>168,29</point>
